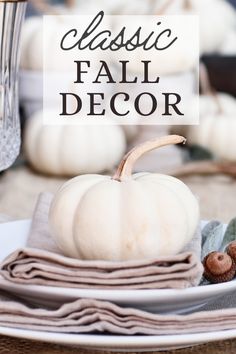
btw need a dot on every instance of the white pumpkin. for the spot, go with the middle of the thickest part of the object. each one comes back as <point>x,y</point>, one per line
<point>217,127</point>
<point>131,130</point>
<point>217,18</point>
<point>125,217</point>
<point>229,46</point>
<point>213,32</point>
<point>72,150</point>
<point>33,44</point>
<point>161,62</point>
<point>93,6</point>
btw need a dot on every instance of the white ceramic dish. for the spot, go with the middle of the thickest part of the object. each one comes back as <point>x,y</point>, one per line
<point>121,343</point>
<point>14,235</point>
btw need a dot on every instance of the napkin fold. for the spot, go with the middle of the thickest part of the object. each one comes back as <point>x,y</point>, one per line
<point>42,263</point>
<point>94,316</point>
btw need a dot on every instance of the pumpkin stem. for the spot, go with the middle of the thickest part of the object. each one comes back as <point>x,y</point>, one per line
<point>125,168</point>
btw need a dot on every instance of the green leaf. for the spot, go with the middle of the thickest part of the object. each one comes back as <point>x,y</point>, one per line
<point>208,229</point>
<point>230,234</point>
<point>197,153</point>
<point>204,281</point>
<point>213,235</point>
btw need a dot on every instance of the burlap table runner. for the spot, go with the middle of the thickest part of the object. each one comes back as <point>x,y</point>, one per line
<point>20,187</point>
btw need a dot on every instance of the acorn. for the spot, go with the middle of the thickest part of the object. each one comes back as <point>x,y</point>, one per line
<point>231,250</point>
<point>219,267</point>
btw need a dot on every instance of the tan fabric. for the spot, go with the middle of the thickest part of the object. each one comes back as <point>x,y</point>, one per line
<point>95,316</point>
<point>44,264</point>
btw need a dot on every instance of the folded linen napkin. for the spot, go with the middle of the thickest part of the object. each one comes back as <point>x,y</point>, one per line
<point>93,316</point>
<point>42,263</point>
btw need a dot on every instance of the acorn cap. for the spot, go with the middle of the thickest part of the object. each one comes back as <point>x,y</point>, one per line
<point>231,250</point>
<point>219,267</point>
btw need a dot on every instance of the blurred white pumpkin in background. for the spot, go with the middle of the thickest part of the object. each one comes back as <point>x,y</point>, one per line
<point>72,150</point>
<point>138,216</point>
<point>217,128</point>
<point>161,62</point>
<point>229,45</point>
<point>130,130</point>
<point>217,19</point>
<point>33,44</point>
<point>210,104</point>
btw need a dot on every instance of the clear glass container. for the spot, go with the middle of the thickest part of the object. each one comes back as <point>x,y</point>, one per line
<point>11,17</point>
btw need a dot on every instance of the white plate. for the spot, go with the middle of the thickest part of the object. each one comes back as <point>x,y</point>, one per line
<point>14,235</point>
<point>119,343</point>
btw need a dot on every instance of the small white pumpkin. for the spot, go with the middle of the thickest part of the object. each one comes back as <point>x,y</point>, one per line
<point>72,150</point>
<point>125,217</point>
<point>217,127</point>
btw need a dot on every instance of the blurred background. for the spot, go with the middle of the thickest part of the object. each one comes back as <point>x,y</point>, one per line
<point>208,161</point>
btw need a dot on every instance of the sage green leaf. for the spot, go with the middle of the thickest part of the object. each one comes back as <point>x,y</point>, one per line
<point>197,153</point>
<point>204,281</point>
<point>230,234</point>
<point>208,229</point>
<point>213,234</point>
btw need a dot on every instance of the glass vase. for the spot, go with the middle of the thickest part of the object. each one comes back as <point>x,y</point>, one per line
<point>11,17</point>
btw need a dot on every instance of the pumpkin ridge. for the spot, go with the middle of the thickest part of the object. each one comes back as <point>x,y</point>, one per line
<point>179,201</point>
<point>79,206</point>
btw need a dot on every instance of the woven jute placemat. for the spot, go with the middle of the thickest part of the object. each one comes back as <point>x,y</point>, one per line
<point>19,189</point>
<point>19,346</point>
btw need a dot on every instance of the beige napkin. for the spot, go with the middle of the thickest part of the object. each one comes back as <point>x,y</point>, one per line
<point>93,316</point>
<point>42,263</point>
